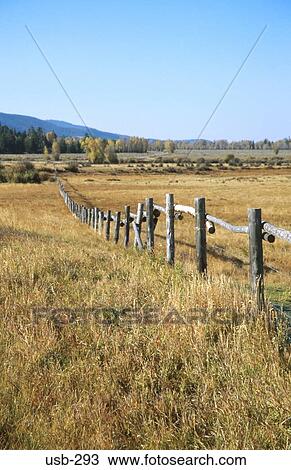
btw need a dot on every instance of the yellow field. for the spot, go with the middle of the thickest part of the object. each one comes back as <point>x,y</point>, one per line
<point>69,382</point>
<point>228,196</point>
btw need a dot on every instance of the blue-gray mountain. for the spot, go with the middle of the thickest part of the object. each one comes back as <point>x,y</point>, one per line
<point>61,128</point>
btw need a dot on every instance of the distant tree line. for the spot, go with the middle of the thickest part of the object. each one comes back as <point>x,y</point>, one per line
<point>35,140</point>
<point>132,145</point>
<point>266,144</point>
<point>105,151</point>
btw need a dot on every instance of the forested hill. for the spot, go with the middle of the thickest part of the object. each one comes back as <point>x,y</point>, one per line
<point>22,124</point>
<point>61,128</point>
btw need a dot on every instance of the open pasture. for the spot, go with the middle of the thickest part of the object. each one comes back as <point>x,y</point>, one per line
<point>228,196</point>
<point>69,381</point>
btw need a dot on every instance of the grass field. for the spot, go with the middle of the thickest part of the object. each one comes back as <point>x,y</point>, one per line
<point>228,196</point>
<point>69,382</point>
<point>250,157</point>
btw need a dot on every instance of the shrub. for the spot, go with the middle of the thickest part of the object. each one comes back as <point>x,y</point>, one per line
<point>23,167</point>
<point>235,162</point>
<point>3,177</point>
<point>23,172</point>
<point>203,166</point>
<point>45,176</point>
<point>27,177</point>
<point>72,167</point>
<point>172,170</point>
<point>232,160</point>
<point>229,157</point>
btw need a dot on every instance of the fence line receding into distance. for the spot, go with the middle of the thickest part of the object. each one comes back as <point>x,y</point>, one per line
<point>148,212</point>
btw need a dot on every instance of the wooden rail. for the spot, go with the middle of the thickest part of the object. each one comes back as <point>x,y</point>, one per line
<point>227,225</point>
<point>277,232</point>
<point>149,213</point>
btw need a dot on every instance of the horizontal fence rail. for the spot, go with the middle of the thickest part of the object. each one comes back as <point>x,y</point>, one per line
<point>148,213</point>
<point>226,225</point>
<point>277,232</point>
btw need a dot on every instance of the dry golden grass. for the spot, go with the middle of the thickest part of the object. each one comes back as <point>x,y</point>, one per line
<point>84,385</point>
<point>228,196</point>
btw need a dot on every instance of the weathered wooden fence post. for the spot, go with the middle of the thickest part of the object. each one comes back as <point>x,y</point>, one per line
<point>150,223</point>
<point>96,214</point>
<point>139,219</point>
<point>117,227</point>
<point>200,232</point>
<point>92,217</point>
<point>256,256</point>
<point>107,228</point>
<point>100,222</point>
<point>126,225</point>
<point>170,235</point>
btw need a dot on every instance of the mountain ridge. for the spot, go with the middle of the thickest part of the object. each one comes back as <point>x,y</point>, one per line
<point>22,123</point>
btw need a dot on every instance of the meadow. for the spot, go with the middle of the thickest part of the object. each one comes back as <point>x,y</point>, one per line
<point>79,369</point>
<point>228,196</point>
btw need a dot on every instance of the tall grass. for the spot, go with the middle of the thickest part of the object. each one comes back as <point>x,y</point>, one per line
<point>74,383</point>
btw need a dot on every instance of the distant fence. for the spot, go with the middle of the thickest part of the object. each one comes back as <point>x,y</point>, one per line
<point>148,212</point>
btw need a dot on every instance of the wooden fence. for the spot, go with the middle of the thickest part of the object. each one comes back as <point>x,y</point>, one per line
<point>257,230</point>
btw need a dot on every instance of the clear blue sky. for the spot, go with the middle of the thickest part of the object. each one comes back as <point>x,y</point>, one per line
<point>153,68</point>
